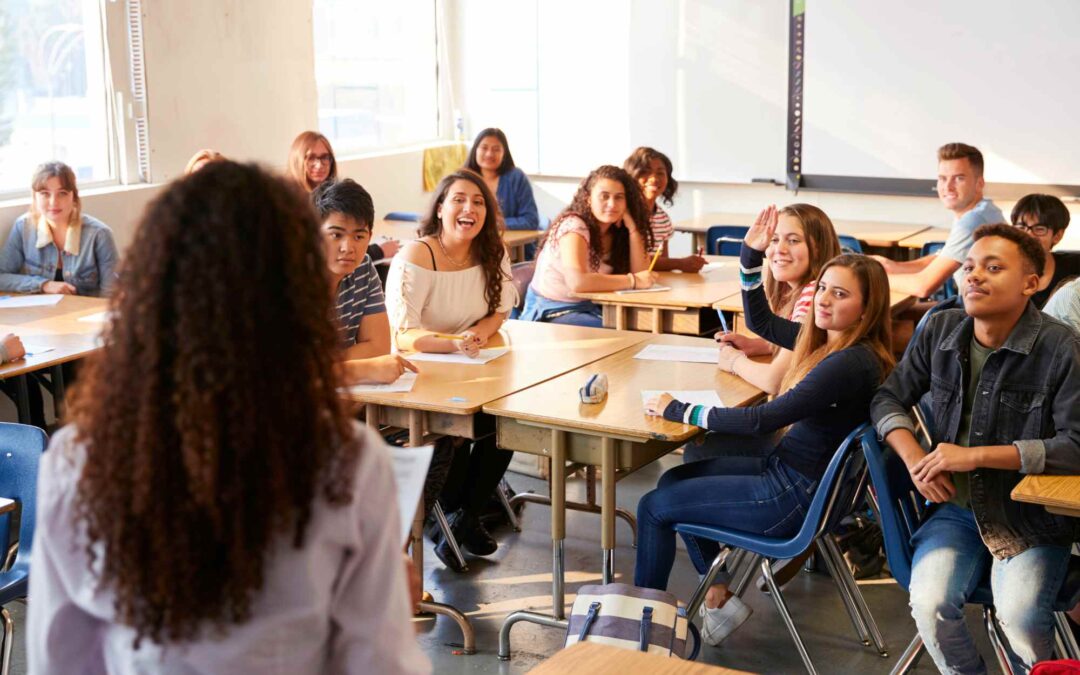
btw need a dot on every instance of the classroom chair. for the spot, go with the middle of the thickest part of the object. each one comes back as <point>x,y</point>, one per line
<point>20,453</point>
<point>948,290</point>
<point>901,512</point>
<point>839,490</point>
<point>521,274</point>
<point>724,239</point>
<point>849,244</point>
<point>407,216</point>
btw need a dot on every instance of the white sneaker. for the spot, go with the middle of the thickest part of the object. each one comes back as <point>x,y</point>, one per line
<point>717,624</point>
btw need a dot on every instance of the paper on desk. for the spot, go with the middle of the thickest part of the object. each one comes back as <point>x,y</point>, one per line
<point>96,317</point>
<point>33,349</point>
<point>410,467</point>
<point>651,289</point>
<point>484,356</point>
<point>402,384</point>
<point>696,397</point>
<point>678,353</point>
<point>709,267</point>
<point>12,301</point>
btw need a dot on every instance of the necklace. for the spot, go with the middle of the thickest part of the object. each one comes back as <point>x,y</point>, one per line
<point>455,263</point>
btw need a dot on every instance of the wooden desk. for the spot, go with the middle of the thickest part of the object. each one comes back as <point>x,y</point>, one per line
<point>685,309</point>
<point>57,329</point>
<point>6,505</point>
<point>591,658</point>
<point>916,241</point>
<point>515,240</point>
<point>873,233</point>
<point>615,435</point>
<point>447,398</point>
<point>1059,494</point>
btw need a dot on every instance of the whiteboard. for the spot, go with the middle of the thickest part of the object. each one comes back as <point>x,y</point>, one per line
<point>889,82</point>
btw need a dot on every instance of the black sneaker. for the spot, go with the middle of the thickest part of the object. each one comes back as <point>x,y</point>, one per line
<point>474,537</point>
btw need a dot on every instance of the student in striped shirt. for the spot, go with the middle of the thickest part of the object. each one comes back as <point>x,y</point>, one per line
<point>346,211</point>
<point>652,170</point>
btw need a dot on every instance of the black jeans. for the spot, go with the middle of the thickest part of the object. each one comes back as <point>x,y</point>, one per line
<point>475,471</point>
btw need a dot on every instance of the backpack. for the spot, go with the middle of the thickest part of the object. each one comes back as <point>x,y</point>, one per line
<point>641,619</point>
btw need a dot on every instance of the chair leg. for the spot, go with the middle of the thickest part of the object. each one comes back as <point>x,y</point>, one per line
<point>746,574</point>
<point>444,525</point>
<point>995,639</point>
<point>854,595</point>
<point>1067,647</point>
<point>9,640</point>
<point>910,657</point>
<point>501,491</point>
<point>781,606</point>
<point>698,598</point>
<point>849,602</point>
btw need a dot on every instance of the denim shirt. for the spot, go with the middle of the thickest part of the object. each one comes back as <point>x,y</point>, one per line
<point>24,268</point>
<point>1029,397</point>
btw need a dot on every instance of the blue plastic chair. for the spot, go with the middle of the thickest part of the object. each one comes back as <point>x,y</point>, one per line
<point>724,239</point>
<point>20,453</point>
<point>839,490</point>
<point>948,289</point>
<point>849,244</point>
<point>901,511</point>
<point>407,216</point>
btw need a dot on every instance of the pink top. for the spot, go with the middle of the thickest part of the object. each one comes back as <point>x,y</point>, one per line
<point>804,303</point>
<point>549,280</point>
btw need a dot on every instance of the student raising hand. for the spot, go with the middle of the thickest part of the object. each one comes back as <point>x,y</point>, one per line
<point>761,232</point>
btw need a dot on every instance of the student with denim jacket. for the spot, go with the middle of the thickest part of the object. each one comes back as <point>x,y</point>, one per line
<point>55,248</point>
<point>1005,383</point>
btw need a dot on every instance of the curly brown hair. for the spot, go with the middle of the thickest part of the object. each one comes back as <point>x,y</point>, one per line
<point>581,207</point>
<point>211,419</point>
<point>488,245</point>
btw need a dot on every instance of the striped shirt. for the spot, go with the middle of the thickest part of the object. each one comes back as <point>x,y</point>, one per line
<point>804,303</point>
<point>750,269</point>
<point>661,226</point>
<point>359,294</point>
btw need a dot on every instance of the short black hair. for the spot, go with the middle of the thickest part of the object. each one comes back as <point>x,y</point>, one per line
<point>1048,209</point>
<point>346,197</point>
<point>1029,246</point>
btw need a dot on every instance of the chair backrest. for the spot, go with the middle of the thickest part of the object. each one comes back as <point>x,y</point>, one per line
<point>849,244</point>
<point>948,289</point>
<point>724,239</point>
<point>899,503</point>
<point>522,274</point>
<point>21,446</point>
<point>407,216</point>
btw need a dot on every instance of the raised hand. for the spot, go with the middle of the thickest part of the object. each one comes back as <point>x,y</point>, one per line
<point>761,232</point>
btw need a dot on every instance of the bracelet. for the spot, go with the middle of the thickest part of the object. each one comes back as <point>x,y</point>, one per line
<point>633,280</point>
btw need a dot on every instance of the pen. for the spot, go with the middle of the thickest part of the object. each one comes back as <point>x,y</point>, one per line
<point>444,336</point>
<point>700,251</point>
<point>655,257</point>
<point>723,321</point>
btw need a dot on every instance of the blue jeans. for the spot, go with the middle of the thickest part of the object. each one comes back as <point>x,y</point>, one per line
<point>950,561</point>
<point>754,494</point>
<point>718,444</point>
<point>578,313</point>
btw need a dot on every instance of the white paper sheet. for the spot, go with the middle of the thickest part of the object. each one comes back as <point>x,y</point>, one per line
<point>710,267</point>
<point>402,384</point>
<point>33,349</point>
<point>678,353</point>
<point>651,289</point>
<point>12,301</point>
<point>410,469</point>
<point>457,357</point>
<point>96,317</point>
<point>697,397</point>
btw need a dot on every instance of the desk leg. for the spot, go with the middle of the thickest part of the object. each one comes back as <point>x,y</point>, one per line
<point>657,321</point>
<point>58,392</point>
<point>620,317</point>
<point>607,506</point>
<point>22,398</point>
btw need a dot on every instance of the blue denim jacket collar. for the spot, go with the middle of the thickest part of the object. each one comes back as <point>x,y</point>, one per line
<point>1020,340</point>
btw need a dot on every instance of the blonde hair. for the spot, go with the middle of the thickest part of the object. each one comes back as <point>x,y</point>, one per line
<point>874,327</point>
<point>296,168</point>
<point>67,181</point>
<point>204,155</point>
<point>823,244</point>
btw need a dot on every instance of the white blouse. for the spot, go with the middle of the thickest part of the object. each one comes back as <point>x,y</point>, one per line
<point>441,301</point>
<point>338,605</point>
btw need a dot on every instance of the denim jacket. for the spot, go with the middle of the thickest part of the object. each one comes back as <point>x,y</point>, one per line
<point>1029,397</point>
<point>24,268</point>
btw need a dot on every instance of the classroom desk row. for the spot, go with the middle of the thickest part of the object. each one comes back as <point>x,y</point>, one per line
<point>515,240</point>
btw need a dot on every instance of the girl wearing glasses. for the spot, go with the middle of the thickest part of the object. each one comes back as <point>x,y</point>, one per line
<point>1045,218</point>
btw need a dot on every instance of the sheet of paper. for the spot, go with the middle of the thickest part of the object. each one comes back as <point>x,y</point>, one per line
<point>678,353</point>
<point>96,317</point>
<point>457,357</point>
<point>703,397</point>
<point>651,289</point>
<point>12,301</point>
<point>33,349</point>
<point>402,384</point>
<point>410,469</point>
<point>713,266</point>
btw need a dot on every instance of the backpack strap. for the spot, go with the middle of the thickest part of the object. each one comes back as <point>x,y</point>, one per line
<point>646,625</point>
<point>594,611</point>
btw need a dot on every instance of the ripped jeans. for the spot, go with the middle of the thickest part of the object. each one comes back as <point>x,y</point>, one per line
<point>754,494</point>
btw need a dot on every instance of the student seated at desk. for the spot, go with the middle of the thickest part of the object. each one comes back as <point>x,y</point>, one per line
<point>490,157</point>
<point>797,241</point>
<point>1045,218</point>
<point>212,508</point>
<point>598,243</point>
<point>450,291</point>
<point>652,170</point>
<point>841,356</point>
<point>1005,383</point>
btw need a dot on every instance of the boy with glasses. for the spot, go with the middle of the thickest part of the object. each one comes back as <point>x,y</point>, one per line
<point>1045,218</point>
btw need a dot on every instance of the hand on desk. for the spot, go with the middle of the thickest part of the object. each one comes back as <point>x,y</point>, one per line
<point>54,287</point>
<point>691,263</point>
<point>14,347</point>
<point>377,369</point>
<point>470,344</point>
<point>728,356</point>
<point>645,279</point>
<point>656,405</point>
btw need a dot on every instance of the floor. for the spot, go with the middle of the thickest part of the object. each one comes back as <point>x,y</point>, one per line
<point>519,576</point>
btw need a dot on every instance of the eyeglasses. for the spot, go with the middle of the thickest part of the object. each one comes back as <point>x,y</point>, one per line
<point>312,160</point>
<point>1037,229</point>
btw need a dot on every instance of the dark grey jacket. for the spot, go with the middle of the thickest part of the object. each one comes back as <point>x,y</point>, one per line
<point>1029,397</point>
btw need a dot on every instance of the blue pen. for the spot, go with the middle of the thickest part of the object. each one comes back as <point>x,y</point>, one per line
<point>723,321</point>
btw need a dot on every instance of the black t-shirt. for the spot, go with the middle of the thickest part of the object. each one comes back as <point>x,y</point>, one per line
<point>1066,266</point>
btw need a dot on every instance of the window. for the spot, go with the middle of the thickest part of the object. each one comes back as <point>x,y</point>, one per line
<point>53,91</point>
<point>375,69</point>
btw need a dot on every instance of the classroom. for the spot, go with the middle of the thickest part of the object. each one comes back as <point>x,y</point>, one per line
<point>481,336</point>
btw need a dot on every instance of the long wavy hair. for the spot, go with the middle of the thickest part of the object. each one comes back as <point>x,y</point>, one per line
<point>487,247</point>
<point>491,132</point>
<point>211,419</point>
<point>874,328</point>
<point>296,168</point>
<point>638,164</point>
<point>823,245</point>
<point>581,207</point>
<point>67,181</point>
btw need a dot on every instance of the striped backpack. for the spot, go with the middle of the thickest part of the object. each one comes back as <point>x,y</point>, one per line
<point>642,619</point>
